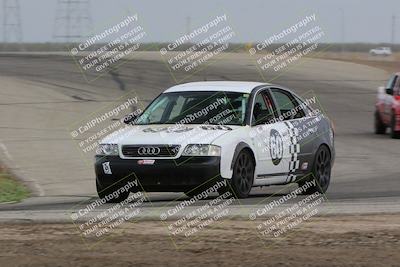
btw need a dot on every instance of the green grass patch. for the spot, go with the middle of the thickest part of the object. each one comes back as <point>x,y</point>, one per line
<point>10,189</point>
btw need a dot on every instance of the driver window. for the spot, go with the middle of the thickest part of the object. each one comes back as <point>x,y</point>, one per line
<point>263,111</point>
<point>391,82</point>
<point>396,87</point>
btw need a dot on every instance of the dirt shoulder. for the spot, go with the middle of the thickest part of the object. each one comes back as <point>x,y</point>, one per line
<point>370,240</point>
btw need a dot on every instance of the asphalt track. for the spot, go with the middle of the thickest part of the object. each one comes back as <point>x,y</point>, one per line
<point>42,95</point>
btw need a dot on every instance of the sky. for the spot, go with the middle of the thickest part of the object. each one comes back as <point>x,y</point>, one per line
<point>252,20</point>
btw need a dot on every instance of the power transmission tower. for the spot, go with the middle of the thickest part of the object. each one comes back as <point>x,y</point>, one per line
<point>12,30</point>
<point>73,21</point>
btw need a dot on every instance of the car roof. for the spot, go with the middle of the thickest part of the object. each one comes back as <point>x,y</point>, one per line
<point>228,86</point>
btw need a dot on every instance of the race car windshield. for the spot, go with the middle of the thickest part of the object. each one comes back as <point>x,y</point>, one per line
<point>224,108</point>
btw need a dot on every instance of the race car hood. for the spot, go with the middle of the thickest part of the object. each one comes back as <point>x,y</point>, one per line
<point>167,134</point>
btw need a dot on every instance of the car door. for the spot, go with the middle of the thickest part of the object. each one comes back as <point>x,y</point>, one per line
<point>391,101</point>
<point>393,83</point>
<point>267,136</point>
<point>302,128</point>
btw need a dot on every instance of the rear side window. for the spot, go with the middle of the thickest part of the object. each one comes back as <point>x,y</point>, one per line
<point>287,104</point>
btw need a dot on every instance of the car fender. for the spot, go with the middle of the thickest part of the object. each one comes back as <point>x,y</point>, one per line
<point>240,147</point>
<point>231,144</point>
<point>326,139</point>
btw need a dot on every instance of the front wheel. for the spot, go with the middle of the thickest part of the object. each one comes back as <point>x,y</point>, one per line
<point>380,127</point>
<point>111,194</point>
<point>243,175</point>
<point>321,172</point>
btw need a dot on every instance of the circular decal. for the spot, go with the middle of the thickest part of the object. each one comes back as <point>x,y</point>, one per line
<point>276,146</point>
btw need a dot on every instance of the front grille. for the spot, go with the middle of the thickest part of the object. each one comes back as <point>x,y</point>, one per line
<point>147,151</point>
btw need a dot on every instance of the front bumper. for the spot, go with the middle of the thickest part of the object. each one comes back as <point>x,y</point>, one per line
<point>166,175</point>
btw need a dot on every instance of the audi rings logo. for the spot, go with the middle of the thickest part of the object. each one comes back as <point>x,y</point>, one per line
<point>148,150</point>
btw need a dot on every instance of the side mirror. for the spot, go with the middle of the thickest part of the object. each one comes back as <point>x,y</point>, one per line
<point>130,118</point>
<point>389,91</point>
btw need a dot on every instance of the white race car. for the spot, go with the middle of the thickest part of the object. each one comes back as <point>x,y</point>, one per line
<point>381,51</point>
<point>243,134</point>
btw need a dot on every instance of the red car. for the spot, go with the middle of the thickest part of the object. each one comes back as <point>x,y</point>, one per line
<point>387,112</point>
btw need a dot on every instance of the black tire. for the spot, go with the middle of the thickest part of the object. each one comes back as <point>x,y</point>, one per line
<point>103,192</point>
<point>243,175</point>
<point>321,172</point>
<point>394,134</point>
<point>380,127</point>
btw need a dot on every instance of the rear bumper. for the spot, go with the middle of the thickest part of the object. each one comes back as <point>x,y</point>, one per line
<point>166,175</point>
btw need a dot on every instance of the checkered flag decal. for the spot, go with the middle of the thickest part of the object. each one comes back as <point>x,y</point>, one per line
<point>294,150</point>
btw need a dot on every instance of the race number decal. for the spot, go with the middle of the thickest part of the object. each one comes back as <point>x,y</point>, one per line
<point>276,146</point>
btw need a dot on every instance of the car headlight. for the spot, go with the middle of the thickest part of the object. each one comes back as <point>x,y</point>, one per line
<point>202,150</point>
<point>107,150</point>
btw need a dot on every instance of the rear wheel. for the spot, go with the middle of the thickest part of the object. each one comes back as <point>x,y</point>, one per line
<point>109,191</point>
<point>394,134</point>
<point>243,175</point>
<point>380,127</point>
<point>321,172</point>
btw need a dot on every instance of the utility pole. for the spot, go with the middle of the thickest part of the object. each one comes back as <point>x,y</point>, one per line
<point>393,37</point>
<point>342,38</point>
<point>73,20</point>
<point>12,29</point>
<point>188,25</point>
